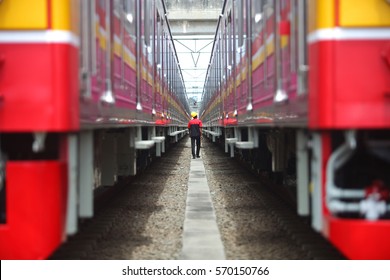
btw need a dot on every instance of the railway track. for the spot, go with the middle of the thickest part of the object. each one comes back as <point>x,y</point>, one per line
<point>145,219</point>
<point>255,223</point>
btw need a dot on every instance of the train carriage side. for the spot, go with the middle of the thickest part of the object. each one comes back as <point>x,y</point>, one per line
<point>348,46</point>
<point>310,109</point>
<point>39,45</point>
<point>91,91</point>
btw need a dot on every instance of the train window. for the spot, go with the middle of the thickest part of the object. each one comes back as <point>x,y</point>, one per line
<point>257,17</point>
<point>283,4</point>
<point>158,40</point>
<point>87,52</point>
<point>224,59</point>
<point>293,37</point>
<point>102,4</point>
<point>162,46</point>
<point>245,22</point>
<point>128,9</point>
<point>239,23</point>
<point>229,41</point>
<point>130,23</point>
<point>117,6</point>
<point>167,62</point>
<point>220,56</point>
<point>302,47</point>
<point>164,54</point>
<point>147,9</point>
<point>270,7</point>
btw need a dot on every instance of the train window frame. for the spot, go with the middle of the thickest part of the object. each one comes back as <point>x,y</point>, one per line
<point>293,41</point>
<point>129,10</point>
<point>257,17</point>
<point>117,7</point>
<point>146,15</point>
<point>302,47</point>
<point>221,51</point>
<point>239,23</point>
<point>152,22</point>
<point>119,14</point>
<point>159,26</point>
<point>87,51</point>
<point>220,58</point>
<point>165,56</point>
<point>230,39</point>
<point>225,48</point>
<point>283,4</point>
<point>102,5</point>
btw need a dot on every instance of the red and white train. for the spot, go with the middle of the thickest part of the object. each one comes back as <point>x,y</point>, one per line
<point>301,90</point>
<point>90,91</point>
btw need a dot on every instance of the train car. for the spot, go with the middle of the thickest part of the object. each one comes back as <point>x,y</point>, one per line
<point>90,92</point>
<point>299,90</point>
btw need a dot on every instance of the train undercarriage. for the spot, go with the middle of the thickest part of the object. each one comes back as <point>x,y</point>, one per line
<point>49,181</point>
<point>339,179</point>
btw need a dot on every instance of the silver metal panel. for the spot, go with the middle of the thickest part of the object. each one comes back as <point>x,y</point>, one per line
<point>86,174</point>
<point>316,176</point>
<point>71,213</point>
<point>302,174</point>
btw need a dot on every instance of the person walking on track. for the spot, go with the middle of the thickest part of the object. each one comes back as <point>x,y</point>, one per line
<point>195,128</point>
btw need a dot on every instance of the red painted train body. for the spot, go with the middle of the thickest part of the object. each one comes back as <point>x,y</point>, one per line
<point>86,97</point>
<point>300,90</point>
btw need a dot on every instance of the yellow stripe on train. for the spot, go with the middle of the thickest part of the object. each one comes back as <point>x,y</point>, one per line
<point>364,13</point>
<point>23,14</point>
<point>322,14</point>
<point>259,58</point>
<point>64,15</point>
